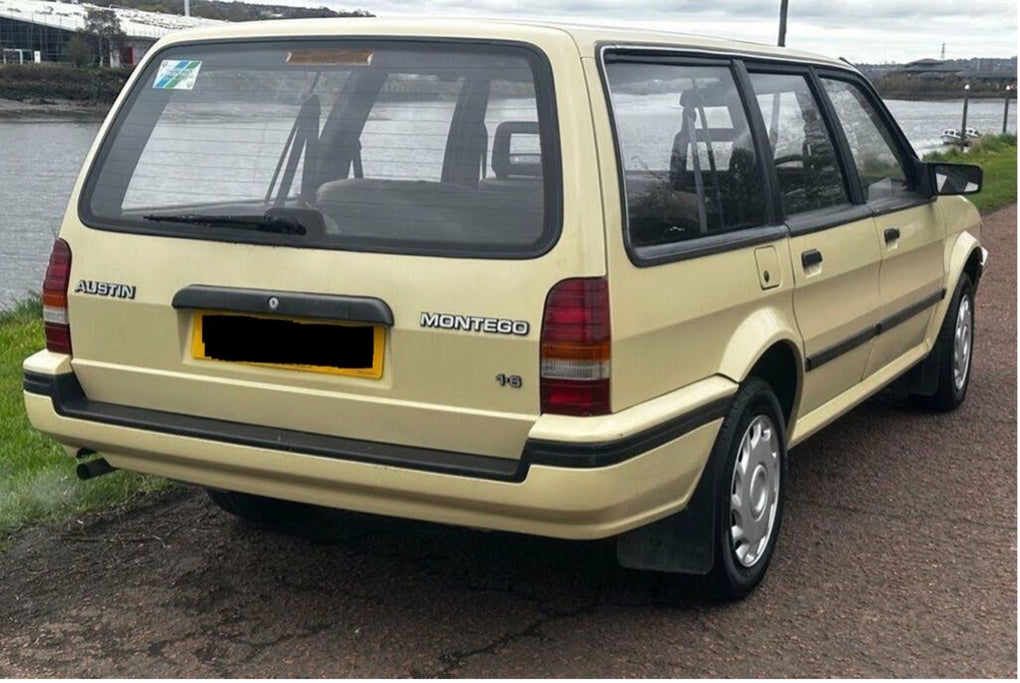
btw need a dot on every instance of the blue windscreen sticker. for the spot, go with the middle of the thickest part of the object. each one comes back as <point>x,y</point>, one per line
<point>177,74</point>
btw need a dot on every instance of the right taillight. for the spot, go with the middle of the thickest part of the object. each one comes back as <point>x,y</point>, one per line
<point>54,299</point>
<point>575,348</point>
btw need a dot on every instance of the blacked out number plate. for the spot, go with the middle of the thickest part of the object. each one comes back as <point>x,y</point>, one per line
<point>291,343</point>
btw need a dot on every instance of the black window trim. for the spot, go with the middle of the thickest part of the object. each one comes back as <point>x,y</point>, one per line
<point>545,100</point>
<point>807,71</point>
<point>773,229</point>
<point>885,205</point>
<point>807,222</point>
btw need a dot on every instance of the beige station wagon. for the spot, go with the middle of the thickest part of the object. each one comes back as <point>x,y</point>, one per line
<point>566,281</point>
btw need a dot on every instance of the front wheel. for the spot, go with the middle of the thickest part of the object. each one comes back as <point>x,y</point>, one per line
<point>749,500</point>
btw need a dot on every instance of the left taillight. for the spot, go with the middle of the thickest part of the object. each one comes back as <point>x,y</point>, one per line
<point>575,349</point>
<point>54,299</point>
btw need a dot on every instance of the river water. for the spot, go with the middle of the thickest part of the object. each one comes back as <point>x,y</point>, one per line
<point>40,159</point>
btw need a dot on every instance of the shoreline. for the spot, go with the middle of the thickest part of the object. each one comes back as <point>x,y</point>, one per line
<point>55,107</point>
<point>64,108</point>
<point>941,96</point>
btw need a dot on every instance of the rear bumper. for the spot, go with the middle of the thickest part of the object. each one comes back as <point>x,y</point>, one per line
<point>562,489</point>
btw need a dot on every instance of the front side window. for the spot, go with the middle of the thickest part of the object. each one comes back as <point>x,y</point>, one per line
<point>689,163</point>
<point>802,149</point>
<point>879,164</point>
<point>389,146</point>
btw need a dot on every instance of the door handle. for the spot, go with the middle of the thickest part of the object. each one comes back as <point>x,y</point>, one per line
<point>811,257</point>
<point>891,235</point>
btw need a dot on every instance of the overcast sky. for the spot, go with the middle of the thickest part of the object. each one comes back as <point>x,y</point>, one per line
<point>862,31</point>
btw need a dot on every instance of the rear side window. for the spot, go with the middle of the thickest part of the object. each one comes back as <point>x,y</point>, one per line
<point>880,164</point>
<point>689,163</point>
<point>391,146</point>
<point>803,153</point>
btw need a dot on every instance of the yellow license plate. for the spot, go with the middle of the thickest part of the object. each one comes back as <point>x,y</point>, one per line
<point>336,348</point>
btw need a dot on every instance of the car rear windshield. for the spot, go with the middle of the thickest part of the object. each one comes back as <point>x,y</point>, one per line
<point>444,148</point>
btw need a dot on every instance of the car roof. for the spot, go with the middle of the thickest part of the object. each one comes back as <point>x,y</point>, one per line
<point>588,38</point>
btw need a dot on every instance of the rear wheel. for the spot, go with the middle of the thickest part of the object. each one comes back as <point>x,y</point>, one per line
<point>749,500</point>
<point>954,349</point>
<point>258,509</point>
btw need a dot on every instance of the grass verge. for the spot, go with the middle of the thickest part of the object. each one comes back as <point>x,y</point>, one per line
<point>996,154</point>
<point>37,480</point>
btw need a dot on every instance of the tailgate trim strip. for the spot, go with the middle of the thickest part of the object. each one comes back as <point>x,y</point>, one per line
<point>360,309</point>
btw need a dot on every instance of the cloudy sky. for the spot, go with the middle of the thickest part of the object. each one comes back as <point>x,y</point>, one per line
<point>859,30</point>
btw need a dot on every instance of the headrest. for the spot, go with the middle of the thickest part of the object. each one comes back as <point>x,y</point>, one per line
<point>505,164</point>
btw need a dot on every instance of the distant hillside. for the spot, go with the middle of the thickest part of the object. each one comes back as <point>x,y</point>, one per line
<point>969,65</point>
<point>232,11</point>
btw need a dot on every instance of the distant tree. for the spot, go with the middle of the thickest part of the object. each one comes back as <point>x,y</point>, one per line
<point>78,52</point>
<point>104,29</point>
<point>233,10</point>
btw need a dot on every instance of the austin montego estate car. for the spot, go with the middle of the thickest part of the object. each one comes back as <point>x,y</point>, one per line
<point>568,281</point>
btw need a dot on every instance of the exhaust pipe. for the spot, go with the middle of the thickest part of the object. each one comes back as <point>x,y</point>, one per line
<point>93,468</point>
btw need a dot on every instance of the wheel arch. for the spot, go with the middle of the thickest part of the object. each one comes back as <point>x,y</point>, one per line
<point>965,255</point>
<point>766,345</point>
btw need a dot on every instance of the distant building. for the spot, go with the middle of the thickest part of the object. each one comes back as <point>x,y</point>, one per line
<point>921,68</point>
<point>44,27</point>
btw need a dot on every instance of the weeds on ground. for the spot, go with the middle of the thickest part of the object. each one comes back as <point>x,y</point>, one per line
<point>37,479</point>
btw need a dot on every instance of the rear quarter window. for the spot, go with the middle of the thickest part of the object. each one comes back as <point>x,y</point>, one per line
<point>394,146</point>
<point>689,164</point>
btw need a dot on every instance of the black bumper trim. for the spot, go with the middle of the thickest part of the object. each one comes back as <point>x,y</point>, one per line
<point>605,453</point>
<point>69,400</point>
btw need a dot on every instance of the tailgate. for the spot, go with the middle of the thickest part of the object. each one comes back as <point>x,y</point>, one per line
<point>348,240</point>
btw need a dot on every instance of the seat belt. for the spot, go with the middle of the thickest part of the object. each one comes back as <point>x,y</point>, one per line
<point>689,116</point>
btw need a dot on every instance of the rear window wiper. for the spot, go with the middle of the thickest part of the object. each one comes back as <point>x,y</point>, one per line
<point>279,224</point>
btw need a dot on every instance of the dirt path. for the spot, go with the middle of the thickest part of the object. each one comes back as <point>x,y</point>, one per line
<point>898,558</point>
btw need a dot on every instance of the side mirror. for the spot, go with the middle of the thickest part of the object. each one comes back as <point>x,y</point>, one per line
<point>949,179</point>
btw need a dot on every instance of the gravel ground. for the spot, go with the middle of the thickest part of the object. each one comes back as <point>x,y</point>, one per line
<point>898,558</point>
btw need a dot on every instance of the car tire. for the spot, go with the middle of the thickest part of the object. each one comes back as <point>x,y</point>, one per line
<point>258,509</point>
<point>751,488</point>
<point>954,349</point>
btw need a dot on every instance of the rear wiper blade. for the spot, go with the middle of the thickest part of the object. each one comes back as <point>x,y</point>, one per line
<point>286,226</point>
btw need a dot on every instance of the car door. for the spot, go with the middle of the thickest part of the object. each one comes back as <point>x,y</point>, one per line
<point>835,254</point>
<point>910,235</point>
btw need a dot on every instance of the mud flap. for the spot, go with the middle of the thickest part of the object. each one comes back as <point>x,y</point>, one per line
<point>683,543</point>
<point>923,378</point>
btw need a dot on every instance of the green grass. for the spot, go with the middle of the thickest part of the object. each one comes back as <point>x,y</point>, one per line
<point>37,480</point>
<point>996,154</point>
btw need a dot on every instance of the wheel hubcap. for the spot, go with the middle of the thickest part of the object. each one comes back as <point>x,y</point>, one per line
<point>754,491</point>
<point>961,342</point>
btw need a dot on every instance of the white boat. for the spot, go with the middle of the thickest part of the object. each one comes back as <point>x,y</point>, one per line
<point>951,136</point>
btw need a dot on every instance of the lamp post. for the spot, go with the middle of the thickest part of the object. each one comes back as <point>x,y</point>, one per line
<point>963,126</point>
<point>784,5</point>
<point>1005,110</point>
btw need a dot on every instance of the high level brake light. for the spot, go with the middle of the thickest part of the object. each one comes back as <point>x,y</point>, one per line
<point>54,299</point>
<point>575,348</point>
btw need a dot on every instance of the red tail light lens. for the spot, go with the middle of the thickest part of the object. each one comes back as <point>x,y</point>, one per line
<point>575,348</point>
<point>54,299</point>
